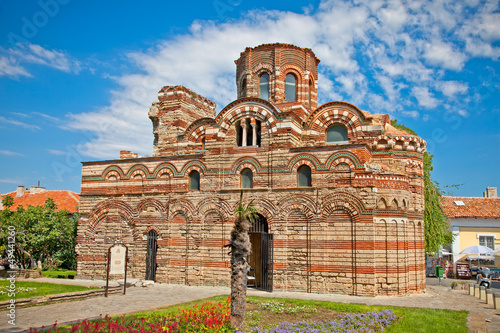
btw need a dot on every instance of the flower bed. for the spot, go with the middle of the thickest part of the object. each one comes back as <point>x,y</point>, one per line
<point>214,317</point>
<point>209,317</point>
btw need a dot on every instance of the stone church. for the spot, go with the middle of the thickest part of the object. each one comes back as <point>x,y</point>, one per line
<point>339,190</point>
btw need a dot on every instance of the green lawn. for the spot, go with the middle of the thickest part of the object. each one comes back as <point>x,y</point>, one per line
<point>26,289</point>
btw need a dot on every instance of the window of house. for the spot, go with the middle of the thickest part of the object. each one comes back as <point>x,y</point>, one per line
<point>246,178</point>
<point>264,86</point>
<point>304,176</point>
<point>336,133</point>
<point>194,180</point>
<point>290,87</point>
<point>488,241</point>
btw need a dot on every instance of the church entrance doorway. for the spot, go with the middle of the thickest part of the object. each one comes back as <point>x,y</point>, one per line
<point>261,258</point>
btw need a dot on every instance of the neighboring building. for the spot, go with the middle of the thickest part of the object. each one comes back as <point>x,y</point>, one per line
<point>474,221</point>
<point>36,196</point>
<point>340,191</point>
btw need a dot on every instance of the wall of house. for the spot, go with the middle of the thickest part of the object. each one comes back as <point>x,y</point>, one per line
<point>467,230</point>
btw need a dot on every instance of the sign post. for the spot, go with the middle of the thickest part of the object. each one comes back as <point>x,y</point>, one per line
<point>117,263</point>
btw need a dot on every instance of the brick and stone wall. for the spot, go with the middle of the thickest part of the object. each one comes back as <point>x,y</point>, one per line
<point>358,229</point>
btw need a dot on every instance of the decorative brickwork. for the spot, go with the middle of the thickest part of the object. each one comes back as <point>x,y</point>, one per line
<point>358,229</point>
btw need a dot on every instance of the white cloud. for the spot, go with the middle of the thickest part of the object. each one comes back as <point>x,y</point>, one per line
<point>339,25</point>
<point>10,153</point>
<point>389,87</point>
<point>412,114</point>
<point>48,117</point>
<point>402,49</point>
<point>452,88</point>
<point>8,67</point>
<point>424,97</point>
<point>441,54</point>
<point>19,114</point>
<point>122,125</point>
<point>481,30</point>
<point>489,27</point>
<point>13,60</point>
<point>18,123</point>
<point>37,54</point>
<point>479,48</point>
<point>394,15</point>
<point>11,180</point>
<point>353,84</point>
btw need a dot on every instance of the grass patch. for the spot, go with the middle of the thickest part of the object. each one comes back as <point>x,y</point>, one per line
<point>25,289</point>
<point>408,319</point>
<point>265,313</point>
<point>59,274</point>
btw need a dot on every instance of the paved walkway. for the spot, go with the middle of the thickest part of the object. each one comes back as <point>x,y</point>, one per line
<point>482,317</point>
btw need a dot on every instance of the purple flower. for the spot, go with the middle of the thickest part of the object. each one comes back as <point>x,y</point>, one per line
<point>376,321</point>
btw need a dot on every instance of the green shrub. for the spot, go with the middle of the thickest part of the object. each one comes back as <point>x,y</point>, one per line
<point>59,274</point>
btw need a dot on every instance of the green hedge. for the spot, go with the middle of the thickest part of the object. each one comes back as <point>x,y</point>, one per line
<point>59,274</point>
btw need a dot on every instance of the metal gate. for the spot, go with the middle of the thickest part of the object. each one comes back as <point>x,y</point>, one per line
<point>151,255</point>
<point>267,262</point>
<point>263,255</point>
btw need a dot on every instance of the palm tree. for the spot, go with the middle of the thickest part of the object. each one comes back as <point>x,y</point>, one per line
<point>240,251</point>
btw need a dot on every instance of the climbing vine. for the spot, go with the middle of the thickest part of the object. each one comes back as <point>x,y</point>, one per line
<point>437,226</point>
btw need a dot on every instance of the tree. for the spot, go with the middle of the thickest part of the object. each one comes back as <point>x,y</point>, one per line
<point>42,235</point>
<point>437,226</point>
<point>8,201</point>
<point>240,251</point>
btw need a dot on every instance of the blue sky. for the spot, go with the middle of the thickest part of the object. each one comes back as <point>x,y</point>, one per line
<point>77,77</point>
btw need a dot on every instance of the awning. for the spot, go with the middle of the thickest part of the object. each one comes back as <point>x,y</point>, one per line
<point>476,257</point>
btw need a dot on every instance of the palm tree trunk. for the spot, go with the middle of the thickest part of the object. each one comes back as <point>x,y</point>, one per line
<point>241,248</point>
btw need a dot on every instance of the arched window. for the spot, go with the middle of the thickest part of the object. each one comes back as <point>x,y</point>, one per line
<point>290,87</point>
<point>304,176</point>
<point>246,178</point>
<point>311,85</point>
<point>244,88</point>
<point>336,133</point>
<point>194,180</point>
<point>264,86</point>
<point>248,132</point>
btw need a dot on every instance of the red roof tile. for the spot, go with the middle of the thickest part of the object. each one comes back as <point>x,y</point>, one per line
<point>64,199</point>
<point>477,207</point>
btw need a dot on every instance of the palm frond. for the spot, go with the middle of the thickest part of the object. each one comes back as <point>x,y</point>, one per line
<point>248,211</point>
